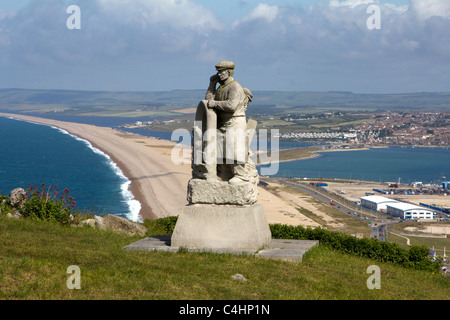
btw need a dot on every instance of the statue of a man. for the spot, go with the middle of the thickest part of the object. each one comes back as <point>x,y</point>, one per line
<point>230,101</point>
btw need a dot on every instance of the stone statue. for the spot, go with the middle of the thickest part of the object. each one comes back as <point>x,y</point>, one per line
<point>222,213</point>
<point>222,135</point>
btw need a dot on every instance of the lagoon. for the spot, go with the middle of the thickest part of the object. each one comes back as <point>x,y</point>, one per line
<point>392,164</point>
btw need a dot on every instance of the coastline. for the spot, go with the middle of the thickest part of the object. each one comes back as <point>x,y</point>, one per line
<point>155,182</point>
<point>160,185</point>
<point>311,154</point>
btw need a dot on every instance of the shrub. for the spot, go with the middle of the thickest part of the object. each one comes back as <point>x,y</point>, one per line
<point>161,226</point>
<point>5,207</point>
<point>48,204</point>
<point>418,253</point>
<point>416,257</point>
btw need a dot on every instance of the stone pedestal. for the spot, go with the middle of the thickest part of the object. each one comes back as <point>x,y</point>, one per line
<point>221,192</point>
<point>225,227</point>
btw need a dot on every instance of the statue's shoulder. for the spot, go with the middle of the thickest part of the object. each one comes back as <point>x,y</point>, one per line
<point>236,85</point>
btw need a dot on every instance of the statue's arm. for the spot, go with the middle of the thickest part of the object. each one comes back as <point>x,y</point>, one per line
<point>211,92</point>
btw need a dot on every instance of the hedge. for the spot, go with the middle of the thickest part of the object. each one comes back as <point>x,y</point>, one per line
<point>416,257</point>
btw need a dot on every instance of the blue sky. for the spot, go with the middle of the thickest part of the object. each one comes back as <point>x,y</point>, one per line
<point>291,45</point>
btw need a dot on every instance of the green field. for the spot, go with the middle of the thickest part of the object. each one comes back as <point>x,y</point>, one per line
<point>161,103</point>
<point>437,243</point>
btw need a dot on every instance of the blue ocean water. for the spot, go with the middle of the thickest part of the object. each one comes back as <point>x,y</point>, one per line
<point>36,154</point>
<point>428,165</point>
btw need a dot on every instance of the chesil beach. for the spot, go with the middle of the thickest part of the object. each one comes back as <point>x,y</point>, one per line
<point>157,186</point>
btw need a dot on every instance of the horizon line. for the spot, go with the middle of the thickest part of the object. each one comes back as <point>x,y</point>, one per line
<point>256,90</point>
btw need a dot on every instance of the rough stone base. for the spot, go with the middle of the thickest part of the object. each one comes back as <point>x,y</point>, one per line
<point>232,228</point>
<point>221,192</point>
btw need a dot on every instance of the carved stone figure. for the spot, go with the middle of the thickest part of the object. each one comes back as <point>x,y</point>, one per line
<point>222,138</point>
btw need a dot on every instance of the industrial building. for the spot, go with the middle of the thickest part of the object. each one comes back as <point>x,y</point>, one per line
<point>376,203</point>
<point>396,208</point>
<point>409,211</point>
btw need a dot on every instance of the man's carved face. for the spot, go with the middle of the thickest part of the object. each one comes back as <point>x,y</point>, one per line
<point>223,75</point>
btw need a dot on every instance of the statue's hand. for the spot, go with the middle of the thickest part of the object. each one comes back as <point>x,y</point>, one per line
<point>210,104</point>
<point>214,78</point>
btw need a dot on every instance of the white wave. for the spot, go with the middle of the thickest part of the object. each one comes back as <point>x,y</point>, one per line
<point>134,206</point>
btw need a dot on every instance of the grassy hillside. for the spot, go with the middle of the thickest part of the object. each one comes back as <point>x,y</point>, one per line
<point>34,257</point>
<point>161,103</point>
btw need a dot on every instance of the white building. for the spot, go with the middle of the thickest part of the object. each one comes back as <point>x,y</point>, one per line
<point>409,211</point>
<point>376,203</point>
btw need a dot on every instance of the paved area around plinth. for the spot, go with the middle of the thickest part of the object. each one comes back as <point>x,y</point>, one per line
<point>291,250</point>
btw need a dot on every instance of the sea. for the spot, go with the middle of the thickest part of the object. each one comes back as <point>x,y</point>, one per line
<point>34,154</point>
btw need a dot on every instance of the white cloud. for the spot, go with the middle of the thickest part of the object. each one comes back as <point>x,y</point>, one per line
<point>350,3</point>
<point>395,8</point>
<point>262,12</point>
<point>161,44</point>
<point>176,13</point>
<point>431,8</point>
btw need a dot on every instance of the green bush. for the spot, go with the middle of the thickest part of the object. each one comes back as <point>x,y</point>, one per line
<point>416,257</point>
<point>418,253</point>
<point>48,204</point>
<point>161,226</point>
<point>5,207</point>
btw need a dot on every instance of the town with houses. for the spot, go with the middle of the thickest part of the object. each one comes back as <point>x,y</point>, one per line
<point>387,128</point>
<point>382,128</point>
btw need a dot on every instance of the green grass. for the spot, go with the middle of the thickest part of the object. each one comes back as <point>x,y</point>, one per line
<point>34,257</point>
<point>437,243</point>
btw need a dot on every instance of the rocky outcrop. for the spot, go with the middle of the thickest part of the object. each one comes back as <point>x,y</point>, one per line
<point>119,224</point>
<point>15,214</point>
<point>16,197</point>
<point>116,223</point>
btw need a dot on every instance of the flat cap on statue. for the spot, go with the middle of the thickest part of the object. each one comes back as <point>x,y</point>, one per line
<point>223,65</point>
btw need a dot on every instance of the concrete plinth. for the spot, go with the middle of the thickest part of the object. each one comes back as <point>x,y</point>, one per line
<point>222,227</point>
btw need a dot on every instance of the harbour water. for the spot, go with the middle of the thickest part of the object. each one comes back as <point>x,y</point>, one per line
<point>392,164</point>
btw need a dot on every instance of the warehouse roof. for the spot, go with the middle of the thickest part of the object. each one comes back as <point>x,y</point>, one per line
<point>378,199</point>
<point>407,206</point>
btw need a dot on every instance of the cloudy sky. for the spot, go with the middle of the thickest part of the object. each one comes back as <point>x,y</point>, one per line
<point>288,45</point>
